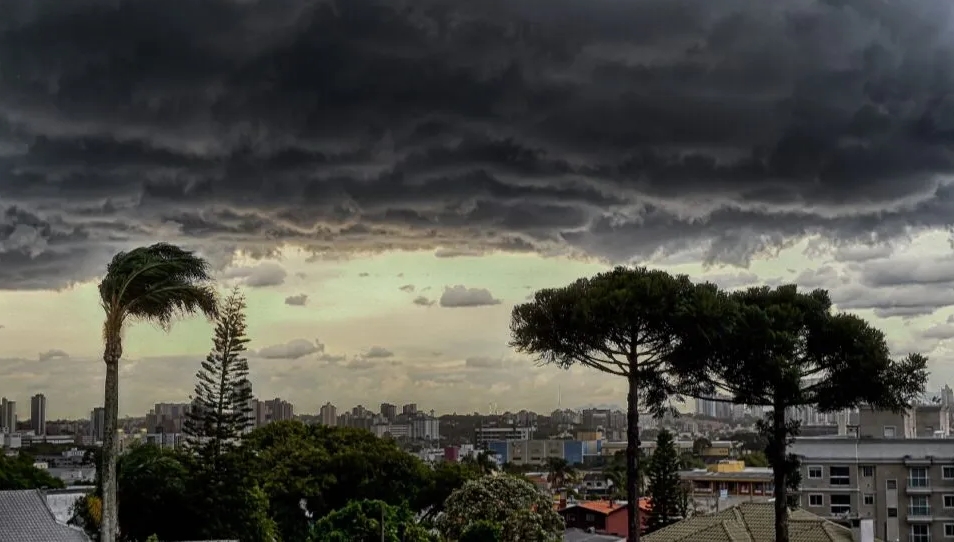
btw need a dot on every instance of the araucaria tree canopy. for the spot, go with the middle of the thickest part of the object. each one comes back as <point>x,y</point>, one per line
<point>782,348</point>
<point>627,322</point>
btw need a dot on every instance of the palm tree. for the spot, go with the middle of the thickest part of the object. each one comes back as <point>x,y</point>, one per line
<point>155,284</point>
<point>560,472</point>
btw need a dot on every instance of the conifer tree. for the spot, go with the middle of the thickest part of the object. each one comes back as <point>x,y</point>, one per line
<point>666,491</point>
<point>220,406</point>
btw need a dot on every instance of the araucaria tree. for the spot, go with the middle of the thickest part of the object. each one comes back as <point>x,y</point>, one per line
<point>666,490</point>
<point>787,349</point>
<point>627,322</point>
<point>155,284</point>
<point>220,406</point>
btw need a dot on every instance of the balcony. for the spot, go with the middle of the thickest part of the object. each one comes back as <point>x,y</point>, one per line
<point>919,514</point>
<point>918,485</point>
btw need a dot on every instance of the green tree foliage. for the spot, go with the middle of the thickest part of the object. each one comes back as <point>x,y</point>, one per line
<point>700,445</point>
<point>220,406</point>
<point>370,521</point>
<point>615,472</point>
<point>445,478</point>
<point>751,441</point>
<point>154,284</point>
<point>756,459</point>
<point>152,489</point>
<point>628,323</point>
<point>523,512</point>
<point>328,467</point>
<point>482,461</point>
<point>690,461</point>
<point>483,531</point>
<point>18,472</point>
<point>560,473</point>
<point>156,484</point>
<point>785,348</point>
<point>230,499</point>
<point>666,490</point>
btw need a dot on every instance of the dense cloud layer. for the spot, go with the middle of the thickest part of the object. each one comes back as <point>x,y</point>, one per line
<point>614,128</point>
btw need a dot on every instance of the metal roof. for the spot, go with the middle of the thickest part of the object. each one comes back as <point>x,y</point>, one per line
<point>872,449</point>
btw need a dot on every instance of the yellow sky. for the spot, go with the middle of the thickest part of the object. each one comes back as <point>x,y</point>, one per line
<point>353,306</point>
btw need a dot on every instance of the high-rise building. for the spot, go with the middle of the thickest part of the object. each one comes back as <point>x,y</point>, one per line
<point>8,416</point>
<point>329,415</point>
<point>97,423</point>
<point>389,411</point>
<point>38,414</point>
<point>410,409</point>
<point>281,410</point>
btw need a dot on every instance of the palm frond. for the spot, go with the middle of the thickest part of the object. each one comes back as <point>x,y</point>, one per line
<point>158,283</point>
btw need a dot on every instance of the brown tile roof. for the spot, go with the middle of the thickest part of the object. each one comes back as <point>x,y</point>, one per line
<point>750,522</point>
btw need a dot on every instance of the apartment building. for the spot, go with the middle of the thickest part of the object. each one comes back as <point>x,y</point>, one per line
<point>896,469</point>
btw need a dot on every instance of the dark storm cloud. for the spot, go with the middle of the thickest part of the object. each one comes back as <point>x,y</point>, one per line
<point>619,129</point>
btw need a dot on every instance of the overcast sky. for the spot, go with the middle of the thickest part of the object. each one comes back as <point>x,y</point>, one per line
<point>386,179</point>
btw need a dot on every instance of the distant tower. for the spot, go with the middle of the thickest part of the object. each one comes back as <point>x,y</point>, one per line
<point>38,414</point>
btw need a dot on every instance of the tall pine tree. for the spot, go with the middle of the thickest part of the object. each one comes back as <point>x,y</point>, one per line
<point>221,403</point>
<point>666,491</point>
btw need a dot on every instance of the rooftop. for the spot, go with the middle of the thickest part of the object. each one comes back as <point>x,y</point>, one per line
<point>25,516</point>
<point>576,535</point>
<point>750,473</point>
<point>750,522</point>
<point>850,448</point>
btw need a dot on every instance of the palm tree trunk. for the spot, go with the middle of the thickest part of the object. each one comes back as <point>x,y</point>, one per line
<point>632,456</point>
<point>110,523</point>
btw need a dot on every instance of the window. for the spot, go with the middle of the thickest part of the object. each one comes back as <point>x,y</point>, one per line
<point>590,517</point>
<point>949,530</point>
<point>840,504</point>
<point>948,501</point>
<point>889,431</point>
<point>867,471</point>
<point>816,500</point>
<point>892,512</point>
<point>917,477</point>
<point>838,476</point>
<point>891,485</point>
<point>814,473</point>
<point>947,472</point>
<point>920,533</point>
<point>919,506</point>
<point>869,499</point>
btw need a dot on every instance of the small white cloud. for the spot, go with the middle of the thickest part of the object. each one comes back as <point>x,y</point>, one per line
<point>260,276</point>
<point>295,349</point>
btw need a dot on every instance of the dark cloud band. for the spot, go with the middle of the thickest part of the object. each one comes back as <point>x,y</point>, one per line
<point>618,129</point>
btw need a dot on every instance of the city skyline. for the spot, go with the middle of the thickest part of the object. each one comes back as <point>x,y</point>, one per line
<point>385,206</point>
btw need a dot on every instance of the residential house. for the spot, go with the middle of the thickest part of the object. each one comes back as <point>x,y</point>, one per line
<point>755,522</point>
<point>602,517</point>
